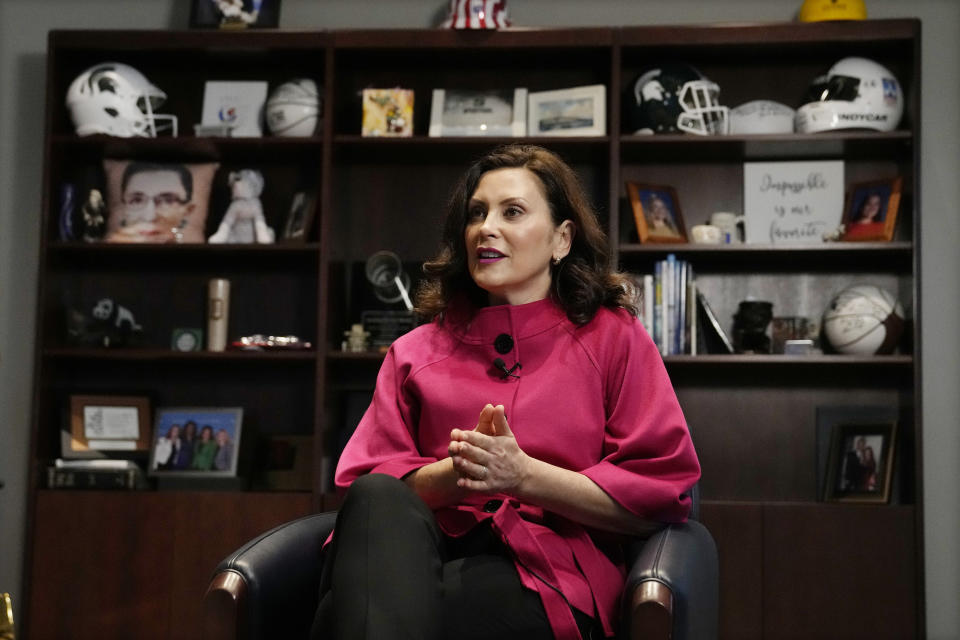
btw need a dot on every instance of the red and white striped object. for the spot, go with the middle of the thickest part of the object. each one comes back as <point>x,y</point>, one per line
<point>477,14</point>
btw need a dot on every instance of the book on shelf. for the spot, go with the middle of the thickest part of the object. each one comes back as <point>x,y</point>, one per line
<point>667,310</point>
<point>70,474</point>
<point>715,339</point>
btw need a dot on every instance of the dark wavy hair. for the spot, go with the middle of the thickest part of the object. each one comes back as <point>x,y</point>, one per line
<point>582,282</point>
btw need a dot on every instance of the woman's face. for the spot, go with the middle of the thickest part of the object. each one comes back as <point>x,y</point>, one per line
<point>155,205</point>
<point>871,207</point>
<point>510,237</point>
<point>659,209</point>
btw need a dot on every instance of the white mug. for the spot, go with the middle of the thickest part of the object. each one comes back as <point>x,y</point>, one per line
<point>706,234</point>
<point>727,223</point>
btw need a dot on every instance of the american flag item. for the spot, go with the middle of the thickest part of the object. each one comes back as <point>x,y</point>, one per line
<point>477,14</point>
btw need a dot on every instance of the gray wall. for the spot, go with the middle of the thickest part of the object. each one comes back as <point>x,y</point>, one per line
<point>23,28</point>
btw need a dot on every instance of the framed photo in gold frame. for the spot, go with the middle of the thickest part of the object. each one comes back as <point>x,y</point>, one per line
<point>656,213</point>
<point>107,425</point>
<point>871,211</point>
<point>860,465</point>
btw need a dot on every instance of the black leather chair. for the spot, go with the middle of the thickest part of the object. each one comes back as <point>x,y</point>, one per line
<point>269,587</point>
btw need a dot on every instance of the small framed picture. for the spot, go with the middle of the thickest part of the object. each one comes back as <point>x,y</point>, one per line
<point>455,112</point>
<point>108,425</point>
<point>578,111</point>
<point>387,113</point>
<point>656,212</point>
<point>196,442</point>
<point>860,465</point>
<point>296,228</point>
<point>234,14</point>
<point>871,211</point>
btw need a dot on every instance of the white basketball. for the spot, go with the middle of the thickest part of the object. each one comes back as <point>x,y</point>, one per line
<point>293,109</point>
<point>863,320</point>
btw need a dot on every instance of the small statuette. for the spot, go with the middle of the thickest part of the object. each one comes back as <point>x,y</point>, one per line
<point>357,340</point>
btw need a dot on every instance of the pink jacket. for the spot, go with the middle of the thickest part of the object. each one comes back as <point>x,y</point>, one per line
<point>594,399</point>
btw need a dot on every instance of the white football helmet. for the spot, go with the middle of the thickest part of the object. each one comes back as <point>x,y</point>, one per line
<point>117,100</point>
<point>856,93</point>
<point>675,98</point>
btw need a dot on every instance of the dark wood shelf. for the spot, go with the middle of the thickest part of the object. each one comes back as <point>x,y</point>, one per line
<point>166,250</point>
<point>682,147</point>
<point>146,355</point>
<point>887,257</point>
<point>775,360</point>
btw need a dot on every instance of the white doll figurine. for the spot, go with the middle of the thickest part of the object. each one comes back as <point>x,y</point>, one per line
<point>244,221</point>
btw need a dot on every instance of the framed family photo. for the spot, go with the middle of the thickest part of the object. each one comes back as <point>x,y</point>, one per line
<point>234,14</point>
<point>105,425</point>
<point>196,442</point>
<point>860,462</point>
<point>578,111</point>
<point>871,210</point>
<point>656,213</point>
<point>455,112</point>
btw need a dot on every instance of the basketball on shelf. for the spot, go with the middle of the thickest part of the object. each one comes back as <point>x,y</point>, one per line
<point>294,108</point>
<point>863,320</point>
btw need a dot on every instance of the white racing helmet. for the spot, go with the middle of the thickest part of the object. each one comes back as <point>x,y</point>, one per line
<point>856,93</point>
<point>294,108</point>
<point>477,14</point>
<point>675,98</point>
<point>117,100</point>
<point>761,116</point>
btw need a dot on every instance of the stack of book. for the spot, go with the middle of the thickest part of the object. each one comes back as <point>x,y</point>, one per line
<point>676,315</point>
<point>95,474</point>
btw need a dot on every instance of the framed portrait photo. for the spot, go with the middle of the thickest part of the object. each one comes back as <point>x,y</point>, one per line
<point>196,442</point>
<point>656,213</point>
<point>578,111</point>
<point>871,210</point>
<point>296,228</point>
<point>455,112</point>
<point>105,426</point>
<point>234,14</point>
<point>860,463</point>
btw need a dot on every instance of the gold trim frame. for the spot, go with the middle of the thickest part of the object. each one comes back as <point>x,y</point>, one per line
<point>104,409</point>
<point>888,191</point>
<point>644,194</point>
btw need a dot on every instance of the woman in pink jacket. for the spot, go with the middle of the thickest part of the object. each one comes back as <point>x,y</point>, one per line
<point>514,439</point>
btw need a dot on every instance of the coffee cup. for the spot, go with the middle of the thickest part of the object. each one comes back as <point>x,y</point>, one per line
<point>728,225</point>
<point>706,234</point>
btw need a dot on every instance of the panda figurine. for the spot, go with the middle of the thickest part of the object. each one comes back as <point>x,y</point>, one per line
<point>111,324</point>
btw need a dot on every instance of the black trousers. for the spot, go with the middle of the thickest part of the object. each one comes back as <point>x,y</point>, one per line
<point>390,573</point>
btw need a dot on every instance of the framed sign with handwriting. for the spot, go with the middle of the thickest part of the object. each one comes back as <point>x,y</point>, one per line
<point>792,202</point>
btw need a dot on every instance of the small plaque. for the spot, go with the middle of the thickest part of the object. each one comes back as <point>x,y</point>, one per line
<point>386,326</point>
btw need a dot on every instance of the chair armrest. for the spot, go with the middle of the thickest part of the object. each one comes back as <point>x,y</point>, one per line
<point>269,587</point>
<point>673,587</point>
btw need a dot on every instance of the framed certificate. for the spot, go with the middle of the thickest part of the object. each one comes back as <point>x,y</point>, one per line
<point>456,112</point>
<point>108,424</point>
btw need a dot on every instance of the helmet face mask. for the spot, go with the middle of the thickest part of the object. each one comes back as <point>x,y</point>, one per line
<point>115,99</point>
<point>675,99</point>
<point>856,93</point>
<point>702,112</point>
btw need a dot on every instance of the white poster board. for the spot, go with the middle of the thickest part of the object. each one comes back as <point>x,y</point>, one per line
<point>238,105</point>
<point>792,202</point>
